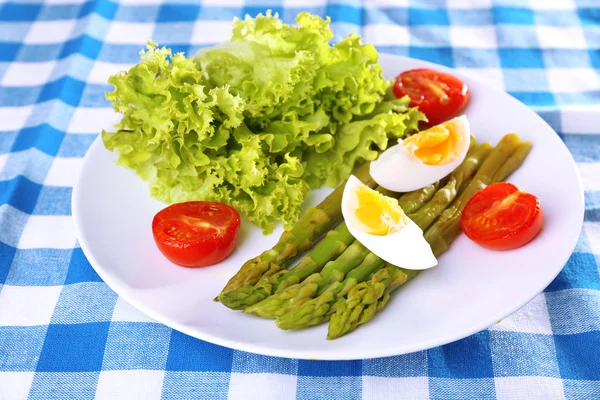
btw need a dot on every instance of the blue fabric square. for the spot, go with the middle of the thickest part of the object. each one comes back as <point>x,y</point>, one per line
<point>329,368</point>
<point>254,10</point>
<point>63,385</point>
<point>93,95</point>
<point>58,11</point>
<point>470,17</point>
<point>18,96</point>
<point>552,118</point>
<point>465,58</point>
<point>39,267</point>
<point>85,45</point>
<point>392,16</point>
<point>80,269</point>
<point>517,36</point>
<point>106,9</point>
<point>557,18</point>
<point>525,79</point>
<point>594,58</point>
<point>7,140</point>
<point>588,15</point>
<point>407,365</point>
<point>19,12</point>
<point>346,387</point>
<point>21,347</point>
<point>459,389</point>
<point>190,354</point>
<point>256,363</point>
<point>15,32</point>
<point>512,15</point>
<point>590,98</point>
<point>8,51</point>
<point>173,32</point>
<point>441,55</point>
<point>584,148</point>
<point>535,99</point>
<point>429,36</point>
<point>428,16</point>
<point>136,345</point>
<point>575,389</point>
<point>84,302</point>
<point>578,355</point>
<point>35,52</point>
<point>448,361</point>
<point>581,271</point>
<point>73,348</point>
<point>340,13</point>
<point>20,193</point>
<point>398,50</point>
<point>138,13</point>
<point>521,58</point>
<point>566,58</point>
<point>45,138</point>
<point>67,89</point>
<point>7,254</point>
<point>175,13</point>
<point>523,354</point>
<point>54,200</point>
<point>195,385</point>
<point>120,53</point>
<point>76,145</point>
<point>14,218</point>
<point>570,311</point>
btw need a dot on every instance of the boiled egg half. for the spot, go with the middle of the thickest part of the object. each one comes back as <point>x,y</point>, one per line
<point>382,227</point>
<point>423,158</point>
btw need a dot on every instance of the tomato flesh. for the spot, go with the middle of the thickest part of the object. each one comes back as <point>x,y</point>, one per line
<point>196,233</point>
<point>502,217</point>
<point>438,95</point>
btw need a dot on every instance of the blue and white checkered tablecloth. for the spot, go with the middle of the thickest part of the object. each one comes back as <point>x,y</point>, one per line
<point>64,334</point>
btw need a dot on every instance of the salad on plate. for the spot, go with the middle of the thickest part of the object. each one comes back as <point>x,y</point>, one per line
<point>248,127</point>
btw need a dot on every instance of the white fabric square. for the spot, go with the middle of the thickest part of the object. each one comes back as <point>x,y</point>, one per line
<point>386,35</point>
<point>590,175</point>
<point>529,388</point>
<point>129,32</point>
<point>64,171</point>
<point>580,120</point>
<point>14,118</point>
<point>564,37</point>
<point>210,32</point>
<point>252,386</point>
<point>490,76</point>
<point>480,37</point>
<point>592,231</point>
<point>131,385</point>
<point>409,388</point>
<point>15,385</point>
<point>552,4</point>
<point>468,4</point>
<point>102,70</point>
<point>48,231</point>
<point>224,3</point>
<point>28,73</point>
<point>44,32</point>
<point>125,312</point>
<point>572,79</point>
<point>531,318</point>
<point>92,120</point>
<point>27,305</point>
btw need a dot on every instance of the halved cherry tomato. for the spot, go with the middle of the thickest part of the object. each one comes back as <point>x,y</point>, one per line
<point>438,95</point>
<point>502,217</point>
<point>196,233</point>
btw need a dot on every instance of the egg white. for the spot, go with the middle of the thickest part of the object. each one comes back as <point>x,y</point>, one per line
<point>398,170</point>
<point>405,247</point>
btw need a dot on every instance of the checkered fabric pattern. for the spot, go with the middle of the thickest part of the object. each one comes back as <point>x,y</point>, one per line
<point>65,334</point>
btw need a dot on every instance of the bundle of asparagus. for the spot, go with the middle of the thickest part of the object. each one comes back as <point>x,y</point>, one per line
<point>340,280</point>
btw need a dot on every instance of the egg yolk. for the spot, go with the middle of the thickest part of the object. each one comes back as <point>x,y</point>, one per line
<point>437,145</point>
<point>378,214</point>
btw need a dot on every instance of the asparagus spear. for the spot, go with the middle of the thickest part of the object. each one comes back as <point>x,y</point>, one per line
<point>317,310</point>
<point>332,246</point>
<point>296,296</point>
<point>313,224</point>
<point>275,305</point>
<point>370,297</point>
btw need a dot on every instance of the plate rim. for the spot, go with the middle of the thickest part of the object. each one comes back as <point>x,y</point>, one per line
<point>119,289</point>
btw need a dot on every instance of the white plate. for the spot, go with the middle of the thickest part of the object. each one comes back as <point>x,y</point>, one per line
<point>470,290</point>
